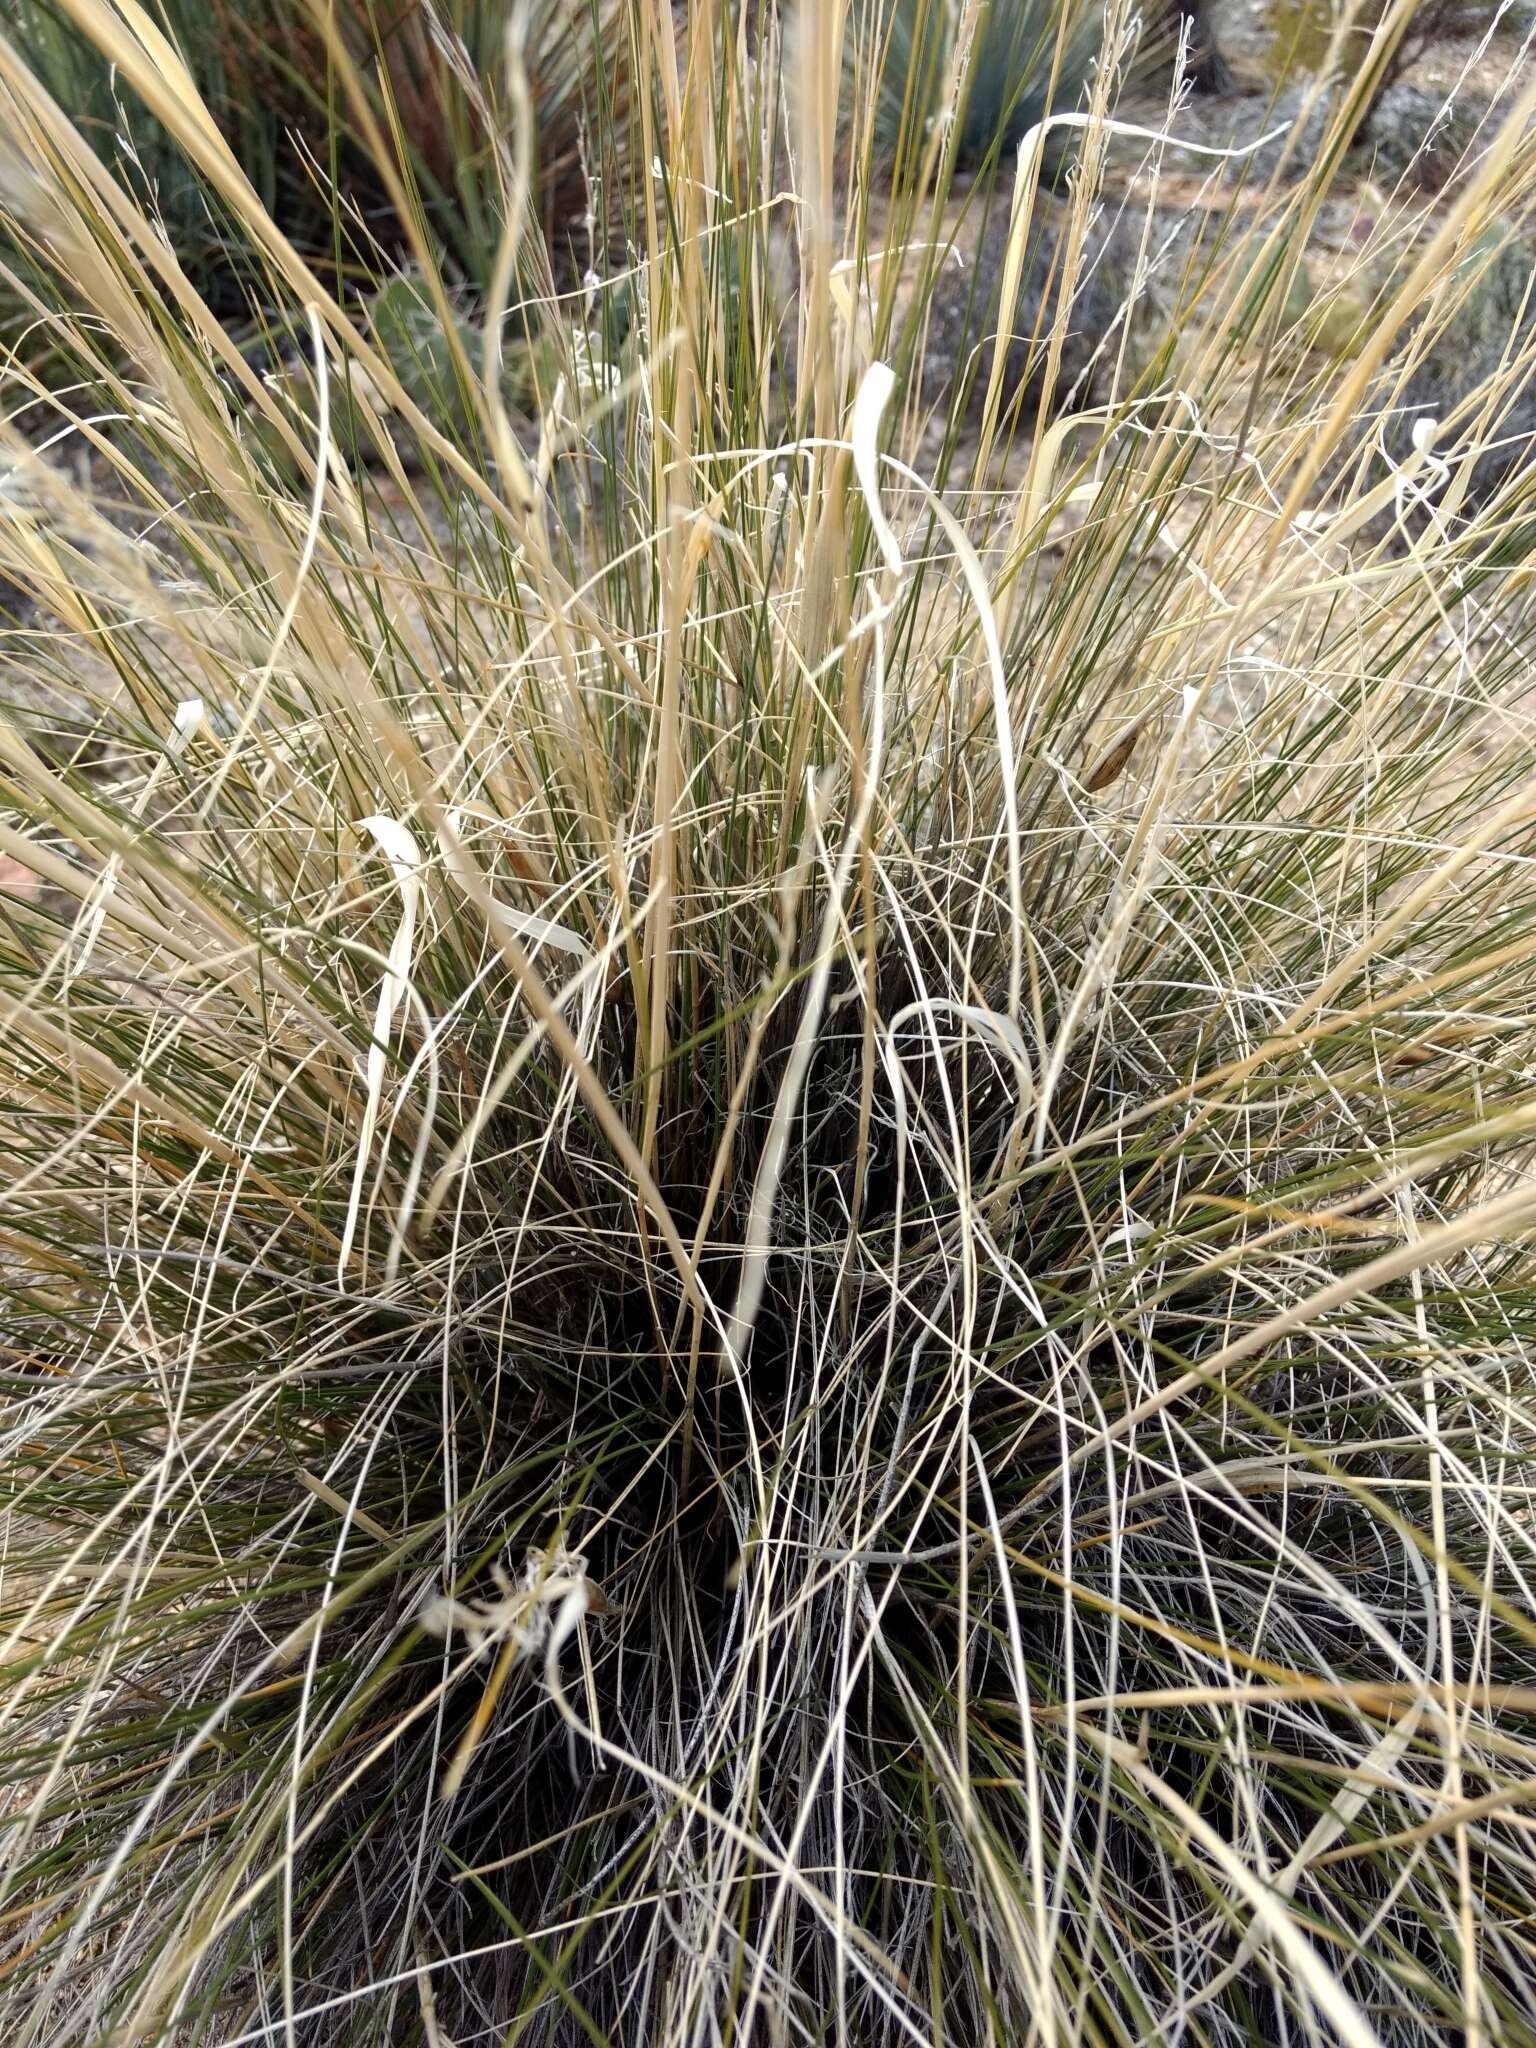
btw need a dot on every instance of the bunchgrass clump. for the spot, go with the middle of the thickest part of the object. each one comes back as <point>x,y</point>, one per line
<point>765,1251</point>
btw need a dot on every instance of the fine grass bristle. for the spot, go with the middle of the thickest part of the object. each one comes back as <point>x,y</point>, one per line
<point>766,1082</point>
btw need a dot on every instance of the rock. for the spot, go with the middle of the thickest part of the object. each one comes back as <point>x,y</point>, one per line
<point>1492,322</point>
<point>962,306</point>
<point>1237,120</point>
<point>1299,144</point>
<point>1415,135</point>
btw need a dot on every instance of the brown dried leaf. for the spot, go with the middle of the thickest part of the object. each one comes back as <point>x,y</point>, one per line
<point>1115,759</point>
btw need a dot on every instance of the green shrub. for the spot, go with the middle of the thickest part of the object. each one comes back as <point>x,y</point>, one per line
<point>997,69</point>
<point>295,88</point>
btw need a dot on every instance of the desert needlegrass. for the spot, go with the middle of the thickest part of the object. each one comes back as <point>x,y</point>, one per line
<point>765,1243</point>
